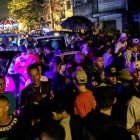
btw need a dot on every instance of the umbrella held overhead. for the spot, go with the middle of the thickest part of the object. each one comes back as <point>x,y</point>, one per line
<point>77,23</point>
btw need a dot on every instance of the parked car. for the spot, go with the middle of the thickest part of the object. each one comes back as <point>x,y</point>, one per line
<point>57,43</point>
<point>9,38</point>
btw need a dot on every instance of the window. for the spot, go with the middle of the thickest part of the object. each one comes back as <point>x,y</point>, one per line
<point>68,4</point>
<point>78,2</point>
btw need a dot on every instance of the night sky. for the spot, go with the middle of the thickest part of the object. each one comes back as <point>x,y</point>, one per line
<point>3,9</point>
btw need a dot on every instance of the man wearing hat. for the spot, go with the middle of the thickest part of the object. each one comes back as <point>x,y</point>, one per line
<point>135,41</point>
<point>122,43</point>
<point>133,113</point>
<point>120,47</point>
<point>85,101</point>
<point>111,74</point>
<point>129,55</point>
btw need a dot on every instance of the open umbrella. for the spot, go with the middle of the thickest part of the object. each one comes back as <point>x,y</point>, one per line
<point>77,23</point>
<point>8,24</point>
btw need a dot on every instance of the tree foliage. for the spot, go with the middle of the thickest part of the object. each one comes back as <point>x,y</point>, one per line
<point>27,12</point>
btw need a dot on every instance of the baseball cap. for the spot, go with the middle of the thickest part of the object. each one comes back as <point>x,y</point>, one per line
<point>135,41</point>
<point>81,77</point>
<point>135,66</point>
<point>110,70</point>
<point>125,74</point>
<point>123,35</point>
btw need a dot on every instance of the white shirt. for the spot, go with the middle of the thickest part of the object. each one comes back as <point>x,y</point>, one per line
<point>120,45</point>
<point>133,112</point>
<point>108,59</point>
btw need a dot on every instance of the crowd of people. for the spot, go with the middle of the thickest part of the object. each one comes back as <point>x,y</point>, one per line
<point>92,95</point>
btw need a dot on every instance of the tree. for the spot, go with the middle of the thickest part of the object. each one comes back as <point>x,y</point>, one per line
<point>27,12</point>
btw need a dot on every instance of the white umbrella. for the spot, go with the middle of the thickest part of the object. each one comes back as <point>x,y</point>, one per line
<point>8,24</point>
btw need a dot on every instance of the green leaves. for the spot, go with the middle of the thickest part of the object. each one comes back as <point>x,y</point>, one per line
<point>26,11</point>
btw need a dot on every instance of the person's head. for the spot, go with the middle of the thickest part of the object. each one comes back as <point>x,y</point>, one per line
<point>135,41</point>
<point>2,84</point>
<point>94,79</point>
<point>108,48</point>
<point>57,108</point>
<point>123,37</point>
<point>29,49</point>
<point>80,77</point>
<point>111,74</point>
<point>22,48</point>
<point>47,49</point>
<point>79,57</point>
<point>38,49</point>
<point>56,63</point>
<point>84,46</point>
<point>124,75</point>
<point>105,97</point>
<point>98,61</point>
<point>135,70</point>
<point>134,45</point>
<point>34,73</point>
<point>39,67</point>
<point>70,68</point>
<point>4,106</point>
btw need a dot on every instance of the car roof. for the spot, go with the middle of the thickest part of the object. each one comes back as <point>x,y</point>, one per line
<point>60,32</point>
<point>8,34</point>
<point>52,36</point>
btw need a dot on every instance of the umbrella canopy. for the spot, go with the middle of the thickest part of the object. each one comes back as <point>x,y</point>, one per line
<point>77,23</point>
<point>8,23</point>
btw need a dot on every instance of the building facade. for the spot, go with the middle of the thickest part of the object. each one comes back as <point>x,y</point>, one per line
<point>106,13</point>
<point>56,11</point>
<point>111,15</point>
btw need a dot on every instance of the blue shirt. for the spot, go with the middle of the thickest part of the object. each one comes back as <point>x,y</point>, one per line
<point>12,101</point>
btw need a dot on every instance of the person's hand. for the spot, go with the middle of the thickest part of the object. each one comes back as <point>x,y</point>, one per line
<point>51,95</point>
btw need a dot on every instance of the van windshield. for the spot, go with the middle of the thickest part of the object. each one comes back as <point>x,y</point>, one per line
<point>56,43</point>
<point>8,38</point>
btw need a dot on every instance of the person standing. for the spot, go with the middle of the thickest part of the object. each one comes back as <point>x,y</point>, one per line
<point>128,55</point>
<point>85,101</point>
<point>120,47</point>
<point>9,95</point>
<point>11,127</point>
<point>133,114</point>
<point>35,97</point>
